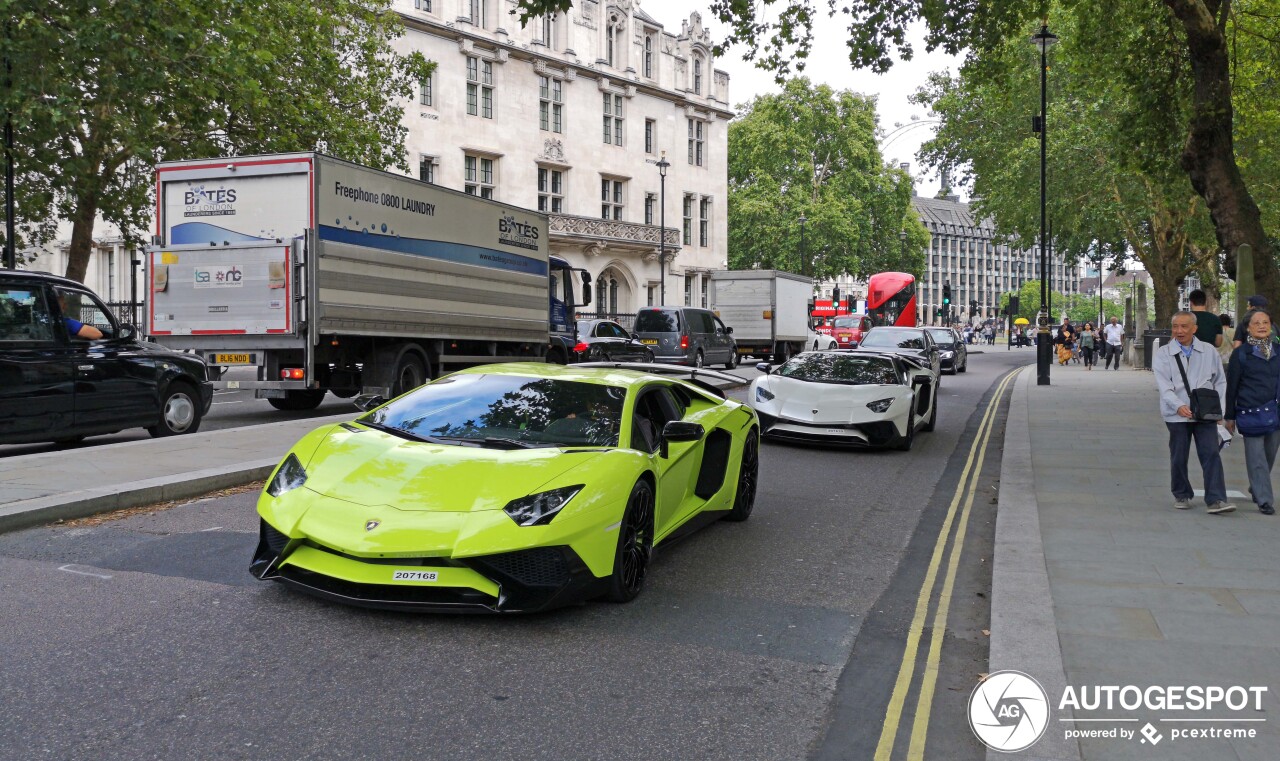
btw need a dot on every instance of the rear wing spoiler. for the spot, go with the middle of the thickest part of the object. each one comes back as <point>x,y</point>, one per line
<point>700,377</point>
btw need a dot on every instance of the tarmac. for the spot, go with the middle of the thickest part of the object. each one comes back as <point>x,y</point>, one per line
<point>1097,580</point>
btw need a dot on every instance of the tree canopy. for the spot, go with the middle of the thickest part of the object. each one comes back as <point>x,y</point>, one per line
<point>811,152</point>
<point>100,92</point>
<point>778,35</point>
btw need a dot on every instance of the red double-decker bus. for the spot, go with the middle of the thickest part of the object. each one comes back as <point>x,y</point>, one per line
<point>891,299</point>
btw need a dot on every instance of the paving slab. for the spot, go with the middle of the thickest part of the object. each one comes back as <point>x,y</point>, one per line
<point>40,488</point>
<point>1138,593</point>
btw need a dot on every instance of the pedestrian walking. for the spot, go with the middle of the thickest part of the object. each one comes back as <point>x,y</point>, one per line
<point>1208,325</point>
<point>1255,301</point>
<point>1065,339</point>
<point>1089,341</point>
<point>1113,336</point>
<point>1226,347</point>
<point>1192,384</point>
<point>1253,388</point>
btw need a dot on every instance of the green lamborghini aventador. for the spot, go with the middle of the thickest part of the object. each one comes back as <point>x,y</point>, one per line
<point>508,488</point>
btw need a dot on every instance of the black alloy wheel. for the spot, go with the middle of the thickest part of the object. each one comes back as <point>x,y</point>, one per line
<point>697,359</point>
<point>933,413</point>
<point>909,439</point>
<point>962,368</point>
<point>748,478</point>
<point>648,356</point>
<point>635,545</point>
<point>733,361</point>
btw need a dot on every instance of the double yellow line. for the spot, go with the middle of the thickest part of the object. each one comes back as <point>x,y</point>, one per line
<point>906,671</point>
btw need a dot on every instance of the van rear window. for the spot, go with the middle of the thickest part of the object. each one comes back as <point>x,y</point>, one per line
<point>658,321</point>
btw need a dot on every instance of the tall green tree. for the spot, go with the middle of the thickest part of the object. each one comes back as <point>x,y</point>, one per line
<point>101,91</point>
<point>810,151</point>
<point>1114,186</point>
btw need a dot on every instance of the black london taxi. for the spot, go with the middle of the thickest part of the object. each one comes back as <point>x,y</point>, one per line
<point>69,369</point>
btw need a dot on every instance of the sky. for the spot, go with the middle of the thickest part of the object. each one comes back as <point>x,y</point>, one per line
<point>828,63</point>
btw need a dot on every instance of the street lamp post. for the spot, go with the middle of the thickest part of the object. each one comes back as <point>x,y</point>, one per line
<point>1043,39</point>
<point>663,164</point>
<point>807,272</point>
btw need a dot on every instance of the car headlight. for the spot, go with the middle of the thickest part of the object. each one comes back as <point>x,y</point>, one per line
<point>289,476</point>
<point>539,509</point>
<point>763,394</point>
<point>880,405</point>
<point>948,354</point>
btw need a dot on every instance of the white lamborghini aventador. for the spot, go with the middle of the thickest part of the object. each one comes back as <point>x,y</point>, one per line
<point>853,398</point>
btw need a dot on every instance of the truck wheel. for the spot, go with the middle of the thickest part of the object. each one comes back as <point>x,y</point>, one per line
<point>782,353</point>
<point>179,412</point>
<point>298,401</point>
<point>556,357</point>
<point>410,374</point>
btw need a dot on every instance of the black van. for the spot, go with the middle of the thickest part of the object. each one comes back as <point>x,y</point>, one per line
<point>56,385</point>
<point>686,336</point>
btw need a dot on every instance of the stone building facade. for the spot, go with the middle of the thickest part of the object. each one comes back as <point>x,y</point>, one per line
<point>571,114</point>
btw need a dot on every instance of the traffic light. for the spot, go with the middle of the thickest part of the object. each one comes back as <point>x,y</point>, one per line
<point>946,293</point>
<point>1013,305</point>
<point>973,307</point>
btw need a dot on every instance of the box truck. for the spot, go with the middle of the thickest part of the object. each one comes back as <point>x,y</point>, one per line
<point>328,276</point>
<point>768,310</point>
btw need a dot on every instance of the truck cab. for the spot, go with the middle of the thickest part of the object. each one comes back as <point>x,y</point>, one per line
<point>563,321</point>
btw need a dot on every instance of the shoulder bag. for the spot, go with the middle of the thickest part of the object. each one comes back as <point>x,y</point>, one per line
<point>1205,403</point>
<point>1258,421</point>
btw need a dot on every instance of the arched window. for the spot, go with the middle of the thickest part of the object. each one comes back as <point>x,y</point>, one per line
<point>601,285</point>
<point>613,297</point>
<point>648,56</point>
<point>697,76</point>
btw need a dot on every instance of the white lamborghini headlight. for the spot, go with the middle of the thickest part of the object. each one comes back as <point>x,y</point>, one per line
<point>539,509</point>
<point>289,476</point>
<point>763,394</point>
<point>880,405</point>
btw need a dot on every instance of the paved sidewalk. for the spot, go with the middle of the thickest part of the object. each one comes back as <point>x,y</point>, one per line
<point>1138,593</point>
<point>39,488</point>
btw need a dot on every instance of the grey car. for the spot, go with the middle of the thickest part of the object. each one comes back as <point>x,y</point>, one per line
<point>686,336</point>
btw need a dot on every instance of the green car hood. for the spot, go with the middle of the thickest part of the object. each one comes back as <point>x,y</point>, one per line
<point>374,468</point>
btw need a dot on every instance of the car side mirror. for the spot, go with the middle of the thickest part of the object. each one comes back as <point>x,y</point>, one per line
<point>764,367</point>
<point>853,344</point>
<point>127,332</point>
<point>729,329</point>
<point>679,431</point>
<point>366,402</point>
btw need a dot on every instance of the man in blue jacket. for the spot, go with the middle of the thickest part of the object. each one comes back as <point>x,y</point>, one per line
<point>1203,367</point>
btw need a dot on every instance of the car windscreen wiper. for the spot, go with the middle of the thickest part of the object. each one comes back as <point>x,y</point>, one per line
<point>403,433</point>
<point>496,442</point>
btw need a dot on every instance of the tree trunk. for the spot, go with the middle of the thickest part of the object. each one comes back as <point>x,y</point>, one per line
<point>1209,154</point>
<point>81,237</point>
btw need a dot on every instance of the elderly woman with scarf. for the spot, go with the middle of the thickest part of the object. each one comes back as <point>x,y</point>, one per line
<point>1253,387</point>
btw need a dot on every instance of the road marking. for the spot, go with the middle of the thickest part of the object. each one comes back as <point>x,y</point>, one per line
<point>215,528</point>
<point>929,679</point>
<point>68,569</point>
<point>906,670</point>
<point>238,401</point>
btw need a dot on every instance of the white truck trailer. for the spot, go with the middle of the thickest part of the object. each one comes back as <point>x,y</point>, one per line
<point>330,276</point>
<point>768,310</point>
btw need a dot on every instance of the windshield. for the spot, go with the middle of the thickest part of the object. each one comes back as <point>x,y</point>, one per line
<point>942,337</point>
<point>893,339</point>
<point>829,367</point>
<point>658,321</point>
<point>847,322</point>
<point>482,408</point>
